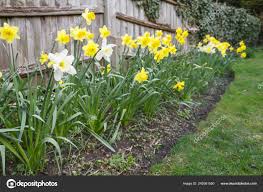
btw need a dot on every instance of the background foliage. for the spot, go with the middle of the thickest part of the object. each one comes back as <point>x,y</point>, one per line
<point>151,8</point>
<point>225,22</point>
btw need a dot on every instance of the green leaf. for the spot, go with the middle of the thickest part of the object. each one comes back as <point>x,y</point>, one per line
<point>68,141</point>
<point>23,124</point>
<point>54,120</point>
<point>39,118</point>
<point>55,144</point>
<point>2,151</point>
<point>100,139</point>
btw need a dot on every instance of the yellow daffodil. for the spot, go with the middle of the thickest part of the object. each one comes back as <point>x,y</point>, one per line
<point>1,75</point>
<point>9,33</point>
<point>179,31</point>
<point>185,34</point>
<point>159,33</point>
<point>243,55</point>
<point>126,40</point>
<point>144,40</point>
<point>50,64</point>
<point>154,44</point>
<point>43,58</point>
<point>89,16</point>
<point>108,69</point>
<point>104,32</point>
<point>167,40</point>
<point>141,76</point>
<point>78,34</point>
<point>90,35</point>
<point>179,86</point>
<point>90,49</point>
<point>62,37</point>
<point>159,55</point>
<point>172,49</point>
<point>133,44</point>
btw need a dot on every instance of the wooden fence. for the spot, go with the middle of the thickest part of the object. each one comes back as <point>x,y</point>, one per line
<point>39,21</point>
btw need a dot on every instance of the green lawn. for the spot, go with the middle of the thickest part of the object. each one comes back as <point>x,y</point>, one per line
<point>234,146</point>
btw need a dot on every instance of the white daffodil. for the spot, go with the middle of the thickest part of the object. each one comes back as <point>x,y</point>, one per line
<point>61,64</point>
<point>106,51</point>
<point>209,48</point>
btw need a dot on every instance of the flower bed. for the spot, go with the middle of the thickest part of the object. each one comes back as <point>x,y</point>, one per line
<point>84,97</point>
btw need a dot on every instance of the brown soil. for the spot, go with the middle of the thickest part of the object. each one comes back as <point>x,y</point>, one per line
<point>146,142</point>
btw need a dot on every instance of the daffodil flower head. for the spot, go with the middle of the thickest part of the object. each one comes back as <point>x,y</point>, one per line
<point>104,32</point>
<point>78,34</point>
<point>159,33</point>
<point>243,55</point>
<point>90,49</point>
<point>43,58</point>
<point>141,76</point>
<point>63,37</point>
<point>108,69</point>
<point>179,86</point>
<point>105,51</point>
<point>9,33</point>
<point>62,63</point>
<point>126,40</point>
<point>90,35</point>
<point>154,44</point>
<point>89,16</point>
<point>144,40</point>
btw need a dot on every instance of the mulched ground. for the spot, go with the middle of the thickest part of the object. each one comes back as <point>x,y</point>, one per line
<point>145,142</point>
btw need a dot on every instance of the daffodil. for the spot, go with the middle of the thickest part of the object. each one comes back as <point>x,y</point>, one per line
<point>133,44</point>
<point>181,35</point>
<point>167,40</point>
<point>172,49</point>
<point>90,49</point>
<point>78,34</point>
<point>159,33</point>
<point>9,33</point>
<point>108,69</point>
<point>144,40</point>
<point>43,58</point>
<point>154,44</point>
<point>141,76</point>
<point>179,31</point>
<point>179,86</point>
<point>243,55</point>
<point>1,75</point>
<point>89,16</point>
<point>62,64</point>
<point>105,51</point>
<point>104,32</point>
<point>90,35</point>
<point>62,37</point>
<point>126,40</point>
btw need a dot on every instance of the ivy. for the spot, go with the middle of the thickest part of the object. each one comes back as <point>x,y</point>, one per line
<point>224,22</point>
<point>151,8</point>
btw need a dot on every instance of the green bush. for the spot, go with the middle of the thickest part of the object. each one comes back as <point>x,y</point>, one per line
<point>224,22</point>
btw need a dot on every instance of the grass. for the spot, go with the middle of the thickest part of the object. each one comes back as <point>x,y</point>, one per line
<point>234,145</point>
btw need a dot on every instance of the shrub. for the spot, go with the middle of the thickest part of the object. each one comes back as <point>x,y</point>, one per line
<point>224,22</point>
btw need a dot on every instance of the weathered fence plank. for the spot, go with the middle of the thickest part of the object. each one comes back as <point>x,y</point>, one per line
<point>39,21</point>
